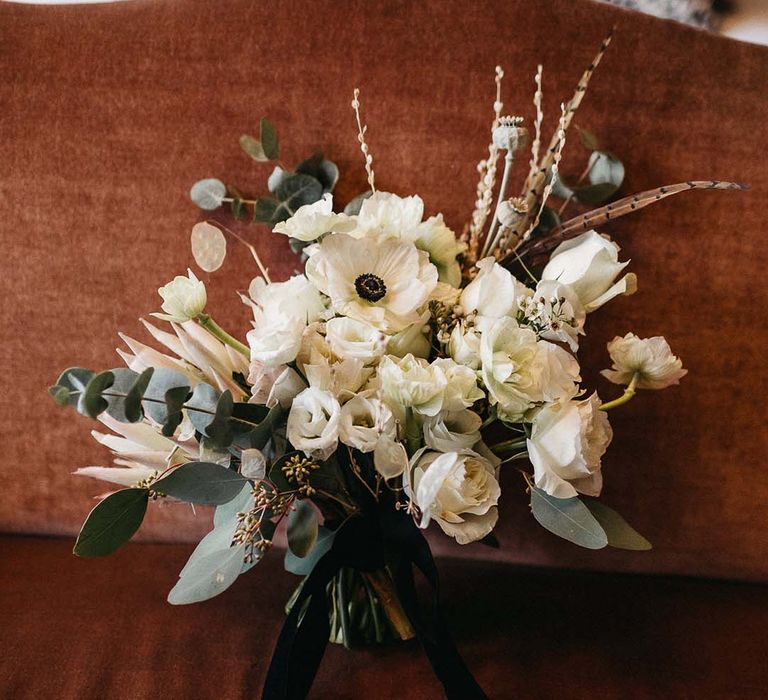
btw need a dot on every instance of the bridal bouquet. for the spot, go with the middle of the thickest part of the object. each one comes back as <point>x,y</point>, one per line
<point>384,389</point>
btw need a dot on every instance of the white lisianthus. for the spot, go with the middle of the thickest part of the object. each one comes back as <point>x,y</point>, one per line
<point>413,339</point>
<point>411,382</point>
<point>519,370</point>
<point>348,337</point>
<point>281,313</point>
<point>184,298</point>
<point>461,390</point>
<point>590,264</point>
<point>364,421</point>
<point>494,293</point>
<point>464,345</point>
<point>313,220</point>
<point>554,312</point>
<point>567,442</point>
<point>650,359</point>
<point>451,431</point>
<point>313,423</point>
<point>459,490</point>
<point>382,282</point>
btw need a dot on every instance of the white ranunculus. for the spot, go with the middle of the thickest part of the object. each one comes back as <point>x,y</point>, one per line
<point>388,215</point>
<point>520,371</point>
<point>411,382</point>
<point>313,220</point>
<point>590,264</point>
<point>271,386</point>
<point>364,421</point>
<point>184,298</point>
<point>313,423</point>
<point>281,313</point>
<point>493,293</point>
<point>464,345</point>
<point>439,242</point>
<point>459,490</point>
<point>348,337</point>
<point>567,442</point>
<point>461,390</point>
<point>381,282</point>
<point>651,359</point>
<point>451,431</point>
<point>555,312</point>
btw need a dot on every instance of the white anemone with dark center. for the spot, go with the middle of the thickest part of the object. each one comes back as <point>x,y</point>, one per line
<point>381,282</point>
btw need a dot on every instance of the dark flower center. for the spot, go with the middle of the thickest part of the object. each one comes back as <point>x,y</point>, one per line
<point>370,287</point>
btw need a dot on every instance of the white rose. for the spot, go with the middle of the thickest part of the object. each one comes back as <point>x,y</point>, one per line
<point>464,345</point>
<point>567,441</point>
<point>412,382</point>
<point>313,423</point>
<point>313,220</point>
<point>350,338</point>
<point>459,490</point>
<point>590,263</point>
<point>520,371</point>
<point>281,313</point>
<point>364,421</point>
<point>555,312</point>
<point>451,431</point>
<point>462,390</point>
<point>492,294</point>
<point>651,359</point>
<point>184,298</point>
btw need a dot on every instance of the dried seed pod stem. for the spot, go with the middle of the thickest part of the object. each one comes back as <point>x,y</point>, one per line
<point>361,129</point>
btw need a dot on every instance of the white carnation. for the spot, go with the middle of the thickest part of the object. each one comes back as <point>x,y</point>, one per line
<point>461,390</point>
<point>412,382</point>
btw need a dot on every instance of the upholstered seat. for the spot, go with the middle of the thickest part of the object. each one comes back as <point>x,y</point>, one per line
<point>110,112</point>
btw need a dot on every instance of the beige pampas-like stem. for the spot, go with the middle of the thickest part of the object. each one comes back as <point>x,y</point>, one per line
<point>361,138</point>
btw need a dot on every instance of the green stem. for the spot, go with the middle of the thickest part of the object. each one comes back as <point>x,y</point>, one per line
<point>509,445</point>
<point>629,392</point>
<point>217,331</point>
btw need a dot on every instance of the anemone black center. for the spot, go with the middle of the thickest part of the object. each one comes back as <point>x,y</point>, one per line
<point>370,287</point>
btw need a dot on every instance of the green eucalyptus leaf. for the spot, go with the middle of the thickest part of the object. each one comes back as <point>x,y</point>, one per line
<point>70,385</point>
<point>208,194</point>
<point>274,180</point>
<point>276,475</point>
<point>202,483</point>
<point>302,528</point>
<point>124,380</point>
<point>269,142</point>
<point>112,523</point>
<point>568,518</point>
<point>174,402</point>
<point>295,191</point>
<point>605,168</point>
<point>220,428</point>
<point>241,503</point>
<point>258,437</point>
<point>354,206</point>
<point>326,172</point>
<point>201,406</point>
<point>302,566</point>
<point>620,533</point>
<point>92,403</point>
<point>160,405</point>
<point>208,575</point>
<point>132,405</point>
<point>253,148</point>
<point>264,210</point>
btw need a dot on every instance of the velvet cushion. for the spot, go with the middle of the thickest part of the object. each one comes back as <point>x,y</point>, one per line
<point>109,114</point>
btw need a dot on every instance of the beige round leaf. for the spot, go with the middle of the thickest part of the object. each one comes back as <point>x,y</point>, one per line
<point>209,246</point>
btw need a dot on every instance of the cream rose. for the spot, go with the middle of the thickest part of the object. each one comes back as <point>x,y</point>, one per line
<point>649,359</point>
<point>568,440</point>
<point>590,263</point>
<point>459,490</point>
<point>313,423</point>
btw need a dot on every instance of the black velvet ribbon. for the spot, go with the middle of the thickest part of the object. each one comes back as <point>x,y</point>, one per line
<point>362,543</point>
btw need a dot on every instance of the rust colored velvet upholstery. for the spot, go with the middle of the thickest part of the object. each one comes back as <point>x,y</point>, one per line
<point>110,112</point>
<point>526,634</point>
